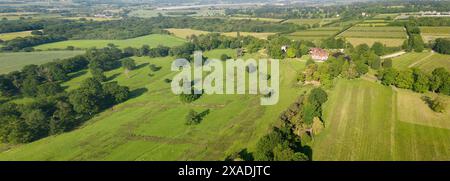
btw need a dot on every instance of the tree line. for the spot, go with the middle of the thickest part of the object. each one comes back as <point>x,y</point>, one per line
<point>53,110</point>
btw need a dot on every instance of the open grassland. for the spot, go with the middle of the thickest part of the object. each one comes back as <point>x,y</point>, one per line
<point>365,121</point>
<point>432,33</point>
<point>311,22</point>
<point>151,125</point>
<point>10,36</point>
<point>390,36</point>
<point>254,34</point>
<point>258,19</point>
<point>390,42</point>
<point>183,33</point>
<point>15,61</point>
<point>202,12</point>
<point>27,15</point>
<point>315,33</point>
<point>386,16</point>
<point>152,40</point>
<point>426,61</point>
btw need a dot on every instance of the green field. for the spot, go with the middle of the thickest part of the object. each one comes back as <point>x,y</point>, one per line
<point>260,35</point>
<point>15,61</point>
<point>365,121</point>
<point>151,126</point>
<point>152,40</point>
<point>314,34</point>
<point>311,22</point>
<point>183,33</point>
<point>426,61</point>
<point>390,36</point>
<point>431,33</point>
<point>10,36</point>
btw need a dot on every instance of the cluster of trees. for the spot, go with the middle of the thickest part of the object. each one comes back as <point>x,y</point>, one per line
<point>56,114</point>
<point>42,80</point>
<point>295,49</point>
<point>20,25</point>
<point>424,21</point>
<point>351,65</point>
<point>283,143</point>
<point>414,41</point>
<point>417,80</point>
<point>442,46</point>
<point>101,60</point>
<point>194,118</point>
<point>25,43</point>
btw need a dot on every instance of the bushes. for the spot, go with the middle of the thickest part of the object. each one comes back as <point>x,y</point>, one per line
<point>442,46</point>
<point>417,80</point>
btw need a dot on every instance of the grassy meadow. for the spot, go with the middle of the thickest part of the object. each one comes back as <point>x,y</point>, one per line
<point>315,33</point>
<point>254,34</point>
<point>390,36</point>
<point>151,125</point>
<point>15,61</point>
<point>368,121</point>
<point>183,33</point>
<point>431,33</point>
<point>152,40</point>
<point>10,36</point>
<point>426,61</point>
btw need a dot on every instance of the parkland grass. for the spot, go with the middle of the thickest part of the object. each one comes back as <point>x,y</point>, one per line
<point>151,125</point>
<point>426,61</point>
<point>15,61</point>
<point>152,40</point>
<point>10,36</point>
<point>366,121</point>
<point>183,33</point>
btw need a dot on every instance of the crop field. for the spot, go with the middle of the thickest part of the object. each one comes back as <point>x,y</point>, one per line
<point>386,16</point>
<point>426,61</point>
<point>315,33</point>
<point>151,125</point>
<point>10,36</point>
<point>15,61</point>
<point>432,33</point>
<point>254,34</point>
<point>258,19</point>
<point>390,36</point>
<point>311,22</point>
<point>203,12</point>
<point>152,40</point>
<point>183,33</point>
<point>368,121</point>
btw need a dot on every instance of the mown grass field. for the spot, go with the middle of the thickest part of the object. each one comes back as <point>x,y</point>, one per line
<point>15,61</point>
<point>10,36</point>
<point>390,36</point>
<point>254,34</point>
<point>366,121</point>
<point>431,33</point>
<point>152,40</point>
<point>311,22</point>
<point>315,33</point>
<point>426,61</point>
<point>183,33</point>
<point>151,125</point>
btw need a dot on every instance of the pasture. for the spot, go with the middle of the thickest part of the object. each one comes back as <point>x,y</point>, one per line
<point>183,33</point>
<point>15,61</point>
<point>152,40</point>
<point>315,33</point>
<point>254,34</point>
<point>390,36</point>
<point>12,35</point>
<point>426,61</point>
<point>311,22</point>
<point>368,121</point>
<point>431,33</point>
<point>151,125</point>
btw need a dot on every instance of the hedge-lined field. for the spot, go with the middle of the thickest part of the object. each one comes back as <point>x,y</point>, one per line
<point>15,61</point>
<point>390,36</point>
<point>10,36</point>
<point>431,33</point>
<point>366,121</point>
<point>151,40</point>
